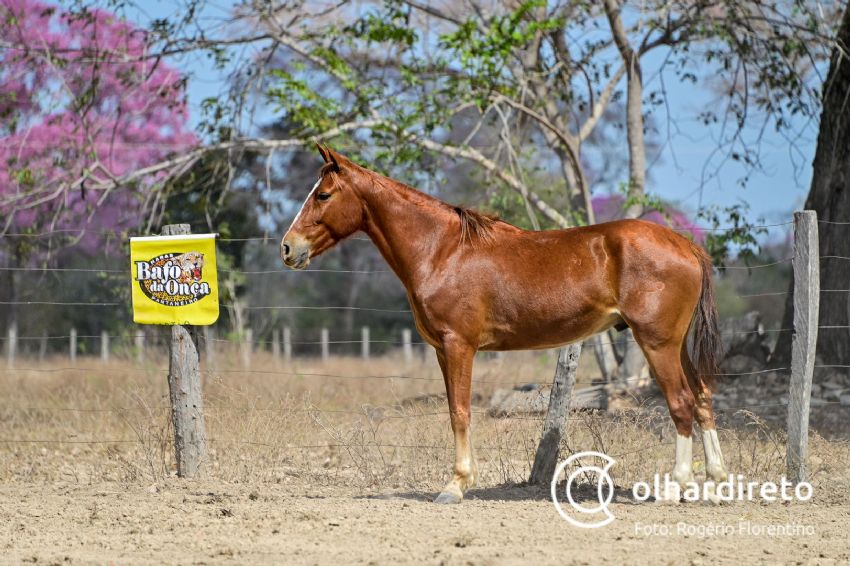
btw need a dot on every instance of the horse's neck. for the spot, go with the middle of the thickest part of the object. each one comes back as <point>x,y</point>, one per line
<point>409,230</point>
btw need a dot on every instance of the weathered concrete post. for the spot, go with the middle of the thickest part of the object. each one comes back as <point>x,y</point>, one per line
<point>72,346</point>
<point>104,346</point>
<point>364,342</point>
<point>407,346</point>
<point>326,354</point>
<point>287,344</point>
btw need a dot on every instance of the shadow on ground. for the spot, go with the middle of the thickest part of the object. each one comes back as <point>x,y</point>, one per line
<point>515,492</point>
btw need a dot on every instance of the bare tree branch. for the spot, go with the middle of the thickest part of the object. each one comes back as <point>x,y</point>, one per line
<point>634,110</point>
<point>183,162</point>
<point>432,11</point>
<point>601,104</point>
<point>476,156</point>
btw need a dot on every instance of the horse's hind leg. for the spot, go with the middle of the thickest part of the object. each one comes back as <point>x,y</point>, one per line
<point>667,369</point>
<point>715,469</point>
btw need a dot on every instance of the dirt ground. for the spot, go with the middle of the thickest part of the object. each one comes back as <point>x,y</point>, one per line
<point>215,523</point>
<point>338,463</point>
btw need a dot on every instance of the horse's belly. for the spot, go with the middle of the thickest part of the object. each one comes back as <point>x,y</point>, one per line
<point>540,330</point>
<point>501,308</point>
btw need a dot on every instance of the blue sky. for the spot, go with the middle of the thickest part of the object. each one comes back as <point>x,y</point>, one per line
<point>676,176</point>
<point>691,154</point>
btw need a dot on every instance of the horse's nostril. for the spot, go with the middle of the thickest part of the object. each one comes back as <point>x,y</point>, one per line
<point>285,249</point>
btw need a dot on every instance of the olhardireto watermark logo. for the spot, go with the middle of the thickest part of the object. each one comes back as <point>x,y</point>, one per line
<point>585,517</point>
<point>594,467</point>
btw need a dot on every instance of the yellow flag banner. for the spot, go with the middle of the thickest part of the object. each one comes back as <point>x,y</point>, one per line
<point>174,279</point>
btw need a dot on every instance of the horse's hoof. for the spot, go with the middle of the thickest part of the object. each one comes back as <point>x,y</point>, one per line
<point>446,498</point>
<point>712,497</point>
<point>667,500</point>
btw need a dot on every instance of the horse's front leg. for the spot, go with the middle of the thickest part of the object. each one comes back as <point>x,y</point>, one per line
<point>455,359</point>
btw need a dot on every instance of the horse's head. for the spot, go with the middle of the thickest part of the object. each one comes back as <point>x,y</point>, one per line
<point>332,212</point>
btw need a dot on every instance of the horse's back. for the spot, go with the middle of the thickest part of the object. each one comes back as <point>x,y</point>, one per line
<point>614,249</point>
<point>525,289</point>
<point>569,284</point>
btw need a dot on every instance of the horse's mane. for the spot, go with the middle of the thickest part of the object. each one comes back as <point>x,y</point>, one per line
<point>475,226</point>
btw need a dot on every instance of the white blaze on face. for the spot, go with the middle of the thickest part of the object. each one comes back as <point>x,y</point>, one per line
<point>297,216</point>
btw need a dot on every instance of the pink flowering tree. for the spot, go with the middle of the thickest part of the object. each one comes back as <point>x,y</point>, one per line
<point>84,109</point>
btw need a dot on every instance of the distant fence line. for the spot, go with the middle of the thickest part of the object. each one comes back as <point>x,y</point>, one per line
<point>136,345</point>
<point>281,345</point>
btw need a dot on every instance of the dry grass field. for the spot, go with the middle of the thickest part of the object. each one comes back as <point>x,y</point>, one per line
<point>314,462</point>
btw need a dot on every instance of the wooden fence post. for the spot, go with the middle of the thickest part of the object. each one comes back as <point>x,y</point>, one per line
<point>42,347</point>
<point>184,385</point>
<point>806,265</point>
<point>72,347</point>
<point>406,345</point>
<point>11,344</point>
<point>364,342</point>
<point>287,344</point>
<point>104,346</point>
<point>276,345</point>
<point>557,417</point>
<point>325,346</point>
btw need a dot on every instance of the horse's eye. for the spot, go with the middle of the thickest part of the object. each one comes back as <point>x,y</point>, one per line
<point>323,196</point>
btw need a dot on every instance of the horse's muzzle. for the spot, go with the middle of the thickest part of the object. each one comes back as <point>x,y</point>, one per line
<point>295,252</point>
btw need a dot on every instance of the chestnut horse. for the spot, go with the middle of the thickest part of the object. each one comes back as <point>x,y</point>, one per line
<point>478,283</point>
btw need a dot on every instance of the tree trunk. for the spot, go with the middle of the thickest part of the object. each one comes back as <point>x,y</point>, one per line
<point>605,356</point>
<point>633,360</point>
<point>634,111</point>
<point>829,196</point>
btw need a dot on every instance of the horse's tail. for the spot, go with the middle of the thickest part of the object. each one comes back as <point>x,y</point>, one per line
<point>707,346</point>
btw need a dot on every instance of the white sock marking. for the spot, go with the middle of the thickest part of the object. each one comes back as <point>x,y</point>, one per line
<point>713,456</point>
<point>682,471</point>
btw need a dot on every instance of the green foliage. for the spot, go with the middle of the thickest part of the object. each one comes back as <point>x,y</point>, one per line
<point>24,177</point>
<point>303,106</point>
<point>392,25</point>
<point>732,232</point>
<point>509,206</point>
<point>336,65</point>
<point>647,201</point>
<point>730,304</point>
<point>484,50</point>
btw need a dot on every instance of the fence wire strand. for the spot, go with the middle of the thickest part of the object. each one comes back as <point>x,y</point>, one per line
<point>376,412</point>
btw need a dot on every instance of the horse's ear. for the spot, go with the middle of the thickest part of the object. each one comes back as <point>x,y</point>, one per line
<point>335,158</point>
<point>323,152</point>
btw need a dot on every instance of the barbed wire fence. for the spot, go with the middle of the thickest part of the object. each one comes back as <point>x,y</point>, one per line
<point>798,398</point>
